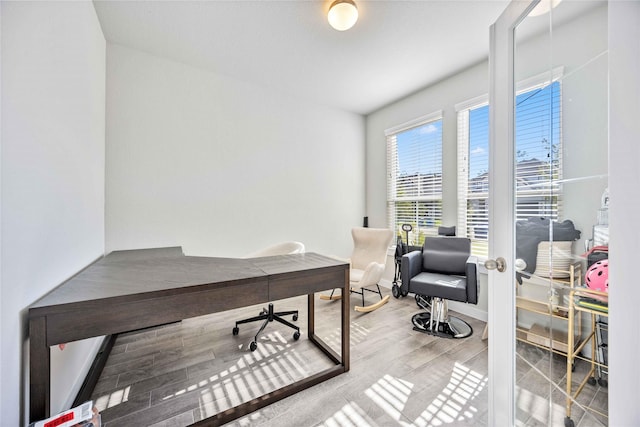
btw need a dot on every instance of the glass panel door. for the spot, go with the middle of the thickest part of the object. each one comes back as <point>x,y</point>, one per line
<point>560,192</point>
<point>548,209</point>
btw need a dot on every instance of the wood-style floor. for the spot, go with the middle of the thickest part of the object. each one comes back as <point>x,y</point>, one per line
<point>180,373</point>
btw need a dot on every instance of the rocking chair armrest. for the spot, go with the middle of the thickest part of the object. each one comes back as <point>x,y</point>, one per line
<point>372,274</point>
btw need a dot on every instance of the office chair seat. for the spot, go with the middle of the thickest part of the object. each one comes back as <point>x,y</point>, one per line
<point>441,285</point>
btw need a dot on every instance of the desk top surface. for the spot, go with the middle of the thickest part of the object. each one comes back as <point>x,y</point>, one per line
<point>136,272</point>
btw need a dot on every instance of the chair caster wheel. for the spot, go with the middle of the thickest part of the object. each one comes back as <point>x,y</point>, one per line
<point>603,383</point>
<point>395,291</point>
<point>568,422</point>
<point>236,330</point>
<point>296,335</point>
<point>295,317</point>
<point>592,381</point>
<point>253,346</point>
<point>404,292</point>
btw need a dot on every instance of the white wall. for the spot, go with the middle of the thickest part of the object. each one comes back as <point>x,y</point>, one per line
<point>52,176</point>
<point>222,167</point>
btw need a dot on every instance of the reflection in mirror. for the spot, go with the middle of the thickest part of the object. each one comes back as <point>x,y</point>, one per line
<point>561,164</point>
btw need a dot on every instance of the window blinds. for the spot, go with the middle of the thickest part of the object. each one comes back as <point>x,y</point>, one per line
<point>414,176</point>
<point>538,152</point>
<point>538,159</point>
<point>473,176</point>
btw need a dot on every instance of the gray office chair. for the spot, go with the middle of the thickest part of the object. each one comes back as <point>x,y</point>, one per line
<point>444,270</point>
<point>401,249</point>
<point>268,315</point>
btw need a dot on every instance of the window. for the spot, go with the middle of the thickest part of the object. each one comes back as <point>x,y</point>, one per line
<point>473,175</point>
<point>538,159</point>
<point>414,177</point>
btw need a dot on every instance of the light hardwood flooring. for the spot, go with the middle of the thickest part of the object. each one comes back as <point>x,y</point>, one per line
<point>180,373</point>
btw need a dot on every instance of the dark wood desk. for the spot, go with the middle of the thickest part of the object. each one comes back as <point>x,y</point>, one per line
<point>129,290</point>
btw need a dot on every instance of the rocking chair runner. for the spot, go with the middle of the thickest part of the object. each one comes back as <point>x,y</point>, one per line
<point>367,261</point>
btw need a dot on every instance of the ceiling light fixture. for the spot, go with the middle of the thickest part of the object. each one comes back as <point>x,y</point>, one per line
<point>343,14</point>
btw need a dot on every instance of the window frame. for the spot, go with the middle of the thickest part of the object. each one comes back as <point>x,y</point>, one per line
<point>463,109</point>
<point>431,202</point>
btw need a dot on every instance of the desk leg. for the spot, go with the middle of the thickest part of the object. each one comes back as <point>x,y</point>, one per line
<point>39,370</point>
<point>346,325</point>
<point>311,315</point>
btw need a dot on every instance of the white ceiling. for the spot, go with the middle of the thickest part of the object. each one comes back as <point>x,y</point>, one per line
<point>396,48</point>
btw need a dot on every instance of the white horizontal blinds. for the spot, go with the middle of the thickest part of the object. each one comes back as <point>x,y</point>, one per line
<point>463,171</point>
<point>478,190</point>
<point>473,178</point>
<point>414,179</point>
<point>538,159</point>
<point>538,152</point>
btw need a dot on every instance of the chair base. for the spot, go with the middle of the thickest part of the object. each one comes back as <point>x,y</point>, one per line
<point>454,328</point>
<point>268,315</point>
<point>437,320</point>
<point>331,297</point>
<point>371,307</point>
<point>363,308</point>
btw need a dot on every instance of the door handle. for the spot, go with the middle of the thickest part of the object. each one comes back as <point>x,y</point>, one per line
<point>501,265</point>
<point>496,264</point>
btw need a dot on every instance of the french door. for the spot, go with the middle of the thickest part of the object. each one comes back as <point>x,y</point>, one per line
<point>548,206</point>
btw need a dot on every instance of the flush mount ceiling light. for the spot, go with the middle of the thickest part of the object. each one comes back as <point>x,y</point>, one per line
<point>343,14</point>
<point>543,7</point>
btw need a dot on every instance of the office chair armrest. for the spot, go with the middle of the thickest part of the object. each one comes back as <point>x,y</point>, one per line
<point>411,266</point>
<point>471,271</point>
<point>372,274</point>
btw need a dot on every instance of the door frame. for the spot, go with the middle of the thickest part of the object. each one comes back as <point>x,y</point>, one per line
<point>501,292</point>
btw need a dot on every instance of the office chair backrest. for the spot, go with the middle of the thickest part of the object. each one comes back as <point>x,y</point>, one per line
<point>447,231</point>
<point>446,255</point>
<point>283,248</point>
<point>370,244</point>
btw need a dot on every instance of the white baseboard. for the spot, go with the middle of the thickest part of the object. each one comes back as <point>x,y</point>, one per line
<point>468,310</point>
<point>386,283</point>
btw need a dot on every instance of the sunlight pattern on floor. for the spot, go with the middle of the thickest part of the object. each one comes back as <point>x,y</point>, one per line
<point>390,394</point>
<point>453,404</point>
<point>275,363</point>
<point>350,415</point>
<point>267,369</point>
<point>357,334</point>
<point>115,398</point>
